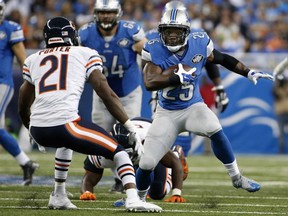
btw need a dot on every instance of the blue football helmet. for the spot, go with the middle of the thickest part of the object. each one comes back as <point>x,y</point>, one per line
<point>174,29</point>
<point>174,5</point>
<point>60,31</point>
<point>107,6</point>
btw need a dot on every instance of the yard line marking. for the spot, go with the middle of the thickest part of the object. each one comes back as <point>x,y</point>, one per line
<point>194,204</point>
<point>178,211</point>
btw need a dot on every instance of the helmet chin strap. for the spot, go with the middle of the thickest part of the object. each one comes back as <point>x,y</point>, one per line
<point>174,48</point>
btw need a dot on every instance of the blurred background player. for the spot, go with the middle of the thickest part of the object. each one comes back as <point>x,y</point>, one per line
<point>217,90</point>
<point>53,121</point>
<point>164,178</point>
<point>181,107</point>
<point>280,92</point>
<point>118,43</point>
<point>11,44</point>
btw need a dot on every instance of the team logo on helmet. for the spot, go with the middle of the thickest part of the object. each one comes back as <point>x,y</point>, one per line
<point>197,58</point>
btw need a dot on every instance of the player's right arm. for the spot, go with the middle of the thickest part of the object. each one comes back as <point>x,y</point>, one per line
<point>153,77</point>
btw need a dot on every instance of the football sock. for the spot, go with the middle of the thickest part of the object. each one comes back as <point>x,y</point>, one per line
<point>143,179</point>
<point>22,158</point>
<point>9,143</point>
<point>131,193</point>
<point>63,157</point>
<point>222,148</point>
<point>232,168</point>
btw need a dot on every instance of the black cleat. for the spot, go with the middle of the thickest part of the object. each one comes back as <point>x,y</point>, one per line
<point>117,187</point>
<point>28,171</point>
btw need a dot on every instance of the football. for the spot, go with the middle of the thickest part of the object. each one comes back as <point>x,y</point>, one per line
<point>172,69</point>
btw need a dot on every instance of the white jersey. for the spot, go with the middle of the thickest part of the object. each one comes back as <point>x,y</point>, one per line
<point>142,126</point>
<point>59,75</point>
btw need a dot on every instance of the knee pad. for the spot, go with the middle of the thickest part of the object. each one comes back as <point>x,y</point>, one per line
<point>147,162</point>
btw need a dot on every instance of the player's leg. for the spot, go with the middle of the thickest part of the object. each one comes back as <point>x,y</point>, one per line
<point>88,138</point>
<point>210,126</point>
<point>159,139</point>
<point>9,143</point>
<point>132,105</point>
<point>161,184</point>
<point>58,198</point>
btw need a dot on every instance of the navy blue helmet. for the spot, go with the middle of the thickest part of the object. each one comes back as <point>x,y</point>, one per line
<point>60,31</point>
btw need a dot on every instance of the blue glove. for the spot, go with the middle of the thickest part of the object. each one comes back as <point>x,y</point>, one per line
<point>186,77</point>
<point>254,76</point>
<point>221,101</point>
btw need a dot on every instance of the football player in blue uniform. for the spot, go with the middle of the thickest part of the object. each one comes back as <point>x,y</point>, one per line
<point>181,107</point>
<point>11,44</point>
<point>221,100</point>
<point>118,42</point>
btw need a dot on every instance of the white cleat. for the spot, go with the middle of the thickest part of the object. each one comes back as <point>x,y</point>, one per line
<point>60,201</point>
<point>137,205</point>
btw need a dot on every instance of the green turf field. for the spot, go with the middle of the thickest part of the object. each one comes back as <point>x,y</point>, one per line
<point>208,189</point>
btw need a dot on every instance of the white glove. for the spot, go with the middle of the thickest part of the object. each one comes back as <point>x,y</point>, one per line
<point>138,142</point>
<point>254,76</point>
<point>186,77</point>
<point>221,101</point>
<point>138,149</point>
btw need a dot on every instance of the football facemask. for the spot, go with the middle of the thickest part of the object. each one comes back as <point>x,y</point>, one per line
<point>174,29</point>
<point>107,13</point>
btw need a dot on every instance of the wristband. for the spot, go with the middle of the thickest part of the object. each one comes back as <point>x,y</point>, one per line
<point>176,192</point>
<point>129,126</point>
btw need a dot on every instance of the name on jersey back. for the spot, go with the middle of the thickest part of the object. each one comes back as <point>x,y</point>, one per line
<point>50,50</point>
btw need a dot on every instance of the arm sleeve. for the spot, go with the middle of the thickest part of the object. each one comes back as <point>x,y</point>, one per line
<point>230,63</point>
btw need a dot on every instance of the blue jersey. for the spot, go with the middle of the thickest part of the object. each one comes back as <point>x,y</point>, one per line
<point>119,60</point>
<point>10,34</point>
<point>195,55</point>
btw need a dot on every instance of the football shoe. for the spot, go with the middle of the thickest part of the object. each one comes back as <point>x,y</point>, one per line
<point>28,171</point>
<point>137,205</point>
<point>60,201</point>
<point>240,181</point>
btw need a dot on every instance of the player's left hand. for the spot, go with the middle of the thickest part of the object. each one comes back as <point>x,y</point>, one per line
<point>255,75</point>
<point>221,101</point>
<point>176,198</point>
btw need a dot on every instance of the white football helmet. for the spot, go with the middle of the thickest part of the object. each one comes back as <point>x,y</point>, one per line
<point>107,6</point>
<point>174,5</point>
<point>2,9</point>
<point>174,29</point>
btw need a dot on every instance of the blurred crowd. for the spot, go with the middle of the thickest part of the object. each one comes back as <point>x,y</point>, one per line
<point>233,25</point>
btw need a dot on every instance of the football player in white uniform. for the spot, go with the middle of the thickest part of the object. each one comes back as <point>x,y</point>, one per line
<point>168,174</point>
<point>54,80</point>
<point>118,43</point>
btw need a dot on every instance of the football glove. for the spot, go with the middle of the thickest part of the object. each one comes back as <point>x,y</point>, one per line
<point>186,77</point>
<point>139,149</point>
<point>254,76</point>
<point>176,198</point>
<point>221,101</point>
<point>134,138</point>
<point>87,196</point>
